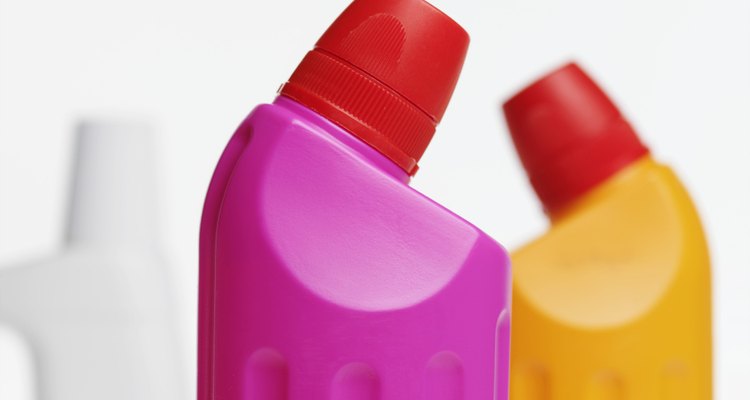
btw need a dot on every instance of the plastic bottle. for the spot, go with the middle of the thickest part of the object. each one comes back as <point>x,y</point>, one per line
<point>614,301</point>
<point>98,316</point>
<point>323,274</point>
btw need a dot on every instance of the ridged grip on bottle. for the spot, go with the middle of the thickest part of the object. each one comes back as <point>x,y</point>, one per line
<point>362,106</point>
<point>384,71</point>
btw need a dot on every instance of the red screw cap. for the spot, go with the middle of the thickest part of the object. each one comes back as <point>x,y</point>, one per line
<point>569,135</point>
<point>384,71</point>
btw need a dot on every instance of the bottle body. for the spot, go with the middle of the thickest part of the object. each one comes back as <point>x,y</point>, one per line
<point>614,302</point>
<point>324,276</point>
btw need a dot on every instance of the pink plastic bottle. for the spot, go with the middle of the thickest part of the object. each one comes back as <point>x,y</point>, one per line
<point>324,276</point>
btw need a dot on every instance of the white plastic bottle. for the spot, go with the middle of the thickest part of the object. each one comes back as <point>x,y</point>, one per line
<point>98,315</point>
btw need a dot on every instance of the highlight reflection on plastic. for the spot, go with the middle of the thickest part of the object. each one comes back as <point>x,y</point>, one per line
<point>323,275</point>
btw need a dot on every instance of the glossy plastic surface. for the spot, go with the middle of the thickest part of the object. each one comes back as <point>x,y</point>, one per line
<point>614,302</point>
<point>324,276</point>
<point>385,71</point>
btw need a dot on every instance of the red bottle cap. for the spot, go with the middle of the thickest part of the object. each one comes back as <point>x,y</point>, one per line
<point>569,135</point>
<point>384,71</point>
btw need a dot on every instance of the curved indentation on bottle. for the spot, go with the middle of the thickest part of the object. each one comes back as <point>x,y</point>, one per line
<point>531,382</point>
<point>267,376</point>
<point>606,385</point>
<point>351,234</point>
<point>356,381</point>
<point>609,264</point>
<point>444,377</point>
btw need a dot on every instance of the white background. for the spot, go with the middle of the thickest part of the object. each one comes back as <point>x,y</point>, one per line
<point>680,69</point>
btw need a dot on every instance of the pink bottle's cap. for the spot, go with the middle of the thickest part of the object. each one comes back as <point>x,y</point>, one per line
<point>385,71</point>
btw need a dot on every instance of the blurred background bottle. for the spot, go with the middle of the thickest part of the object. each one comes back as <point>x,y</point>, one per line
<point>98,316</point>
<point>614,300</point>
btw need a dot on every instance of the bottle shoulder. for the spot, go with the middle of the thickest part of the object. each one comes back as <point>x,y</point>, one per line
<point>287,148</point>
<point>330,216</point>
<point>614,255</point>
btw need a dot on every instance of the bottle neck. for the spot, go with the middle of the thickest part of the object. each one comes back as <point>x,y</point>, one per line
<point>113,192</point>
<point>373,156</point>
<point>603,190</point>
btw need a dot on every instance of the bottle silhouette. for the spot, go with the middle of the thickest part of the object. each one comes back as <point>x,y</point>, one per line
<point>613,302</point>
<point>98,315</point>
<point>324,276</point>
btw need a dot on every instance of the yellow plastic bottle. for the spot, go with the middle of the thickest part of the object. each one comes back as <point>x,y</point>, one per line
<point>614,301</point>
